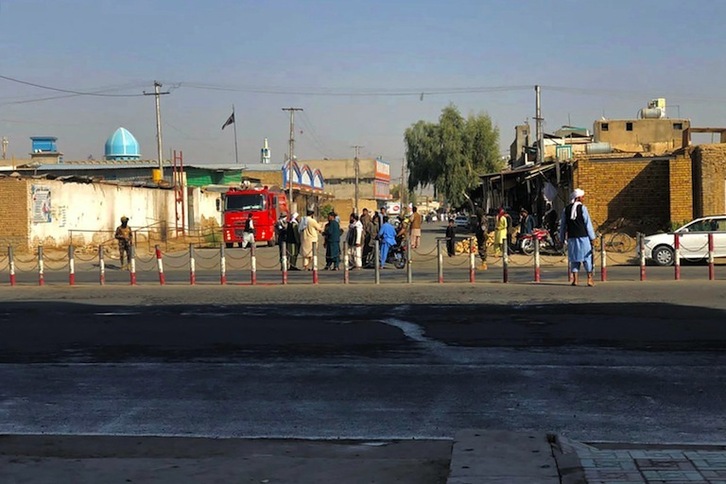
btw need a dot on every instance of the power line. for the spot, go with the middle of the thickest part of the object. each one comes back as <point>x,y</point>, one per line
<point>67,91</point>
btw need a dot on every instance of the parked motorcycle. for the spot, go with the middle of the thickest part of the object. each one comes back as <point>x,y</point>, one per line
<point>546,244</point>
<point>396,257</point>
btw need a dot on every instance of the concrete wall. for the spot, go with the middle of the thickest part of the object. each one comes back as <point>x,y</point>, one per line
<point>709,163</point>
<point>657,136</point>
<point>91,210</point>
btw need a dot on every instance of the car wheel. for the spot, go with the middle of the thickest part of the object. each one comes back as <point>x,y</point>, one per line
<point>663,255</point>
<point>229,245</point>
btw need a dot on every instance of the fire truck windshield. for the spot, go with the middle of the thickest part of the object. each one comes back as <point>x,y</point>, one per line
<point>245,202</point>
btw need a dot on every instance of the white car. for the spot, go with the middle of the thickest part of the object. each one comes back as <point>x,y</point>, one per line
<point>693,241</point>
<point>462,222</point>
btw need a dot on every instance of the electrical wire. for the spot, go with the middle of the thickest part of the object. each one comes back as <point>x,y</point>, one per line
<point>67,91</point>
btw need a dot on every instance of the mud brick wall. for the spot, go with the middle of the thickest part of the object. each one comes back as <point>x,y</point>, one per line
<point>14,214</point>
<point>681,189</point>
<point>709,166</point>
<point>636,190</point>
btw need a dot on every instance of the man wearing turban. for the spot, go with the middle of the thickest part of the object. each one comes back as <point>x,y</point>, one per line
<point>576,229</point>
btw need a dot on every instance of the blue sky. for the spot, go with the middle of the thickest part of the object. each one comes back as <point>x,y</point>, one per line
<point>327,56</point>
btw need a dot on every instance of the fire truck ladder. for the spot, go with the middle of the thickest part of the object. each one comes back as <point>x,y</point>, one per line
<point>179,187</point>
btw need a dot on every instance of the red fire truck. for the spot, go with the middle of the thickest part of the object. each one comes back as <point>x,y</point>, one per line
<point>264,203</point>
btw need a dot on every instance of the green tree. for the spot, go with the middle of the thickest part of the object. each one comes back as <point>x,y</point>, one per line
<point>451,154</point>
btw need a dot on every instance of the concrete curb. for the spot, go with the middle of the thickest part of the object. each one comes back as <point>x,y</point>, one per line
<point>498,456</point>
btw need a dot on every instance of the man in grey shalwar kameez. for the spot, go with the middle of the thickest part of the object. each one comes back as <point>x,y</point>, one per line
<point>576,228</point>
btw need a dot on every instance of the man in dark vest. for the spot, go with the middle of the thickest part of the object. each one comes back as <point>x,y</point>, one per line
<point>576,229</point>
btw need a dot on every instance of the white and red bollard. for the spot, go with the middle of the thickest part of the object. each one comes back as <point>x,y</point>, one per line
<point>472,262</point>
<point>71,266</point>
<point>711,273</point>
<point>160,266</point>
<point>253,265</point>
<point>132,266</point>
<point>222,265</point>
<point>11,266</point>
<point>641,245</point>
<point>192,266</point>
<point>537,266</point>
<point>101,267</point>
<point>677,256</point>
<point>283,262</point>
<point>505,261</point>
<point>41,268</point>
<point>315,262</point>
<point>440,261</point>
<point>603,261</point>
<point>409,261</point>
<point>346,264</point>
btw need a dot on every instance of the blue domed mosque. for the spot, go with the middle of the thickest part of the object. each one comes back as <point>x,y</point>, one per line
<point>122,146</point>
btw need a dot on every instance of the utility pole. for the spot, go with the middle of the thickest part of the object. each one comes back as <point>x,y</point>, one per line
<point>356,168</point>
<point>402,186</point>
<point>291,153</point>
<point>157,94</point>
<point>539,119</point>
<point>5,147</point>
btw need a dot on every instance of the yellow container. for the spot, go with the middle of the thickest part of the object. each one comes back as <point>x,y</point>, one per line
<point>157,175</point>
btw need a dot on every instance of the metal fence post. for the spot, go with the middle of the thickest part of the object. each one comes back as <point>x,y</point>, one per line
<point>132,265</point>
<point>641,245</point>
<point>315,262</point>
<point>71,266</point>
<point>439,262</point>
<point>11,265</point>
<point>101,267</point>
<point>253,265</point>
<point>603,261</point>
<point>192,266</point>
<point>409,267</point>
<point>376,262</point>
<point>346,263</point>
<point>505,261</point>
<point>537,268</point>
<point>283,261</point>
<point>222,265</point>
<point>711,273</point>
<point>677,256</point>
<point>41,268</point>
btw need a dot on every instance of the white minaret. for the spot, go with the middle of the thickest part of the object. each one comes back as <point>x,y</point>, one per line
<point>265,154</point>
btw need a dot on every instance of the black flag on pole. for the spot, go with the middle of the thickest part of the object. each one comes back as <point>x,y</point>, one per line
<point>230,120</point>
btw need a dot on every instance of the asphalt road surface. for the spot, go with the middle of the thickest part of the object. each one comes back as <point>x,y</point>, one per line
<point>618,363</point>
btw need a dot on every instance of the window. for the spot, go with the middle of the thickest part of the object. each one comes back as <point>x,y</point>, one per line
<point>628,126</point>
<point>678,126</point>
<point>605,126</point>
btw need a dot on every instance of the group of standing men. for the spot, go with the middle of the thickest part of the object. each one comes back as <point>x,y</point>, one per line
<point>361,236</point>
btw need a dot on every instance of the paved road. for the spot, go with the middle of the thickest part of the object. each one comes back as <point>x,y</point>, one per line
<point>125,361</point>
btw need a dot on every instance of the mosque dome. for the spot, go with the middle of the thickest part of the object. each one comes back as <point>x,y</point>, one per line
<point>122,145</point>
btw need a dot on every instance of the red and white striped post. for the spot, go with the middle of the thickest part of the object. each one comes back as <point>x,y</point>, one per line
<point>132,266</point>
<point>409,261</point>
<point>677,256</point>
<point>222,265</point>
<point>283,262</point>
<point>71,266</point>
<point>641,245</point>
<point>440,261</point>
<point>11,265</point>
<point>603,261</point>
<point>711,273</point>
<point>315,262</point>
<point>472,261</point>
<point>160,266</point>
<point>505,261</point>
<point>101,267</point>
<point>41,267</point>
<point>192,266</point>
<point>253,265</point>
<point>537,268</point>
<point>346,264</point>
